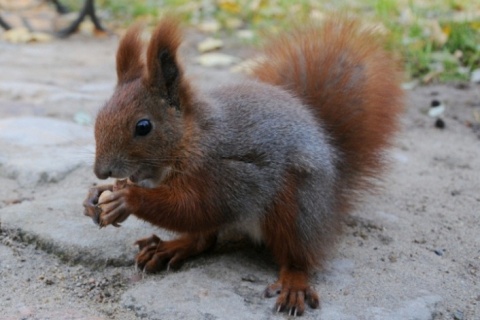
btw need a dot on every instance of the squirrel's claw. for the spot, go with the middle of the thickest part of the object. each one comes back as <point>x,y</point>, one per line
<point>292,300</point>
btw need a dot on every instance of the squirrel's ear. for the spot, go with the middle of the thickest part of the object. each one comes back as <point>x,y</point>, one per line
<point>163,71</point>
<point>129,63</point>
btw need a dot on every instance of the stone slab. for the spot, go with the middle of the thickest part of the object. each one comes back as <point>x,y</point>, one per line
<point>56,224</point>
<point>222,288</point>
<point>37,150</point>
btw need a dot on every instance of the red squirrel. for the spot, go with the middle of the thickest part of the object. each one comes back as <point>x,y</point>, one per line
<point>282,156</point>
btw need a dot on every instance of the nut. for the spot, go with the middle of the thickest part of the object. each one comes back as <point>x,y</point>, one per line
<point>103,197</point>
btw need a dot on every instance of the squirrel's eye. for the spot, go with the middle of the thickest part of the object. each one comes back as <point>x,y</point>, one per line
<point>143,127</point>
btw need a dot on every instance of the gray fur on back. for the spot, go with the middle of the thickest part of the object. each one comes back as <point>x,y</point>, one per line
<point>257,134</point>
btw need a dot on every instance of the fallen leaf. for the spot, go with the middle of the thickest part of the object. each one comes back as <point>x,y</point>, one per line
<point>229,6</point>
<point>23,35</point>
<point>210,26</point>
<point>40,37</point>
<point>17,35</point>
<point>209,44</point>
<point>233,23</point>
<point>214,59</point>
<point>245,34</point>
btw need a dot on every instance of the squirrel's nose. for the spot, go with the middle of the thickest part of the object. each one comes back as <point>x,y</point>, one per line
<point>102,172</point>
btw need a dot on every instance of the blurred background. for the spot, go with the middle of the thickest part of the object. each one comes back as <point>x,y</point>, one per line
<point>438,40</point>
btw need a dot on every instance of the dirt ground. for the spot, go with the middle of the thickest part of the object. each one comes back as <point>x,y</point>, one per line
<point>418,238</point>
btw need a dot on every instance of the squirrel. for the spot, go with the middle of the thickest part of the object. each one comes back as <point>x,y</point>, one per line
<point>282,156</point>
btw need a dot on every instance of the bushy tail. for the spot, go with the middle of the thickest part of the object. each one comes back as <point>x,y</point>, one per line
<point>350,82</point>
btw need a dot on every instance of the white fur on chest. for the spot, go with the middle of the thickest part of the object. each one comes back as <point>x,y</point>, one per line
<point>252,228</point>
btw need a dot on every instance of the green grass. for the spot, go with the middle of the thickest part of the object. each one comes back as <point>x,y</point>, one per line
<point>438,40</point>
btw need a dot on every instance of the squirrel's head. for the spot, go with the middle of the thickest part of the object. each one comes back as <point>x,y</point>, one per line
<point>140,128</point>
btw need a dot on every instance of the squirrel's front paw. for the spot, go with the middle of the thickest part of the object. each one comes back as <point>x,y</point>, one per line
<point>91,208</point>
<point>114,209</point>
<point>155,253</point>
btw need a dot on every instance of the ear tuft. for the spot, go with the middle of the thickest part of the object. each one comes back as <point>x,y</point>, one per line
<point>163,71</point>
<point>129,63</point>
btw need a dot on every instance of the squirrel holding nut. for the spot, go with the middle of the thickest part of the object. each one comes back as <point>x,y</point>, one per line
<point>282,156</point>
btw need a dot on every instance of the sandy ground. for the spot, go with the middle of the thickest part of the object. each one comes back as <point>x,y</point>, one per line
<point>412,251</point>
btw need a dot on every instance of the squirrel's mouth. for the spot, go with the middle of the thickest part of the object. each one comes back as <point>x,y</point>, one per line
<point>146,180</point>
<point>133,178</point>
<point>149,181</point>
<point>140,181</point>
<point>137,176</point>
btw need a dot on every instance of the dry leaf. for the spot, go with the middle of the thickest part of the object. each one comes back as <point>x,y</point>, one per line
<point>233,23</point>
<point>439,35</point>
<point>245,34</point>
<point>23,35</point>
<point>214,59</point>
<point>211,26</point>
<point>209,44</point>
<point>17,35</point>
<point>40,37</point>
<point>229,6</point>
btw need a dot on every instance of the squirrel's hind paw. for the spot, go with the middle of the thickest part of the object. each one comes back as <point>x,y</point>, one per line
<point>293,291</point>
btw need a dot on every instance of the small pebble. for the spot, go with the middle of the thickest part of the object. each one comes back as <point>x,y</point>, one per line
<point>392,257</point>
<point>136,278</point>
<point>438,252</point>
<point>458,315</point>
<point>455,193</point>
<point>250,278</point>
<point>82,118</point>
<point>436,109</point>
<point>439,123</point>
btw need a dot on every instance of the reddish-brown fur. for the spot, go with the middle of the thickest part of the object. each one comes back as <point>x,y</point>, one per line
<point>129,64</point>
<point>167,36</point>
<point>280,230</point>
<point>281,237</point>
<point>351,84</point>
<point>339,71</point>
<point>155,253</point>
<point>360,109</point>
<point>188,204</point>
